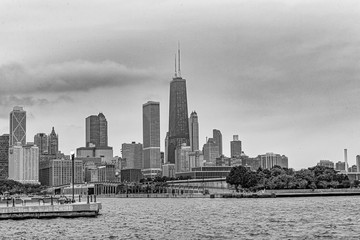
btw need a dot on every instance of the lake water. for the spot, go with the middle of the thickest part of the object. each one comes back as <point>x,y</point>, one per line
<point>142,218</point>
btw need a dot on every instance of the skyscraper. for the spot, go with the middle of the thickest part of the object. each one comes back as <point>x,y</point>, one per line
<point>41,140</point>
<point>4,156</point>
<point>178,114</point>
<point>53,142</point>
<point>151,135</point>
<point>211,151</point>
<point>96,131</point>
<point>133,154</point>
<point>235,147</point>
<point>194,131</point>
<point>17,126</point>
<point>217,137</point>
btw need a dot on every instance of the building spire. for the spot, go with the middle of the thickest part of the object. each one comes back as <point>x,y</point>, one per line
<point>175,66</point>
<point>179,71</point>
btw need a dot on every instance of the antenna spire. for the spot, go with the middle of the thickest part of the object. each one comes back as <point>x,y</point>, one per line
<point>175,66</point>
<point>179,71</point>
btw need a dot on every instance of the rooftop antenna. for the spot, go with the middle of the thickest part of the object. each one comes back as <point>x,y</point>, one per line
<point>175,66</point>
<point>179,71</point>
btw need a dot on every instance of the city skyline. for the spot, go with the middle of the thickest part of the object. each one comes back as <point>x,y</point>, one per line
<point>285,83</point>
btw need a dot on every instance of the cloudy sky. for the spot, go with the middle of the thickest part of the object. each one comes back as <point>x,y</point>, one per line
<point>283,75</point>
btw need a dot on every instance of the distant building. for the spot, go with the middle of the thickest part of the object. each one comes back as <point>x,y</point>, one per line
<point>217,138</point>
<point>255,163</point>
<point>235,147</point>
<point>205,172</point>
<point>326,163</point>
<point>178,115</point>
<point>17,126</point>
<point>196,159</point>
<point>132,152</point>
<point>268,160</point>
<point>53,142</point>
<point>168,170</point>
<point>131,175</point>
<point>24,163</point>
<point>106,173</point>
<point>105,153</point>
<point>340,166</point>
<point>182,158</point>
<point>58,172</point>
<point>211,151</point>
<point>151,136</point>
<point>96,131</point>
<point>4,156</point>
<point>353,168</point>
<point>194,131</point>
<point>358,162</point>
<point>151,172</point>
<point>41,140</point>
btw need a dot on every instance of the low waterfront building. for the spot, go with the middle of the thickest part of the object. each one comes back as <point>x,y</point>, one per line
<point>206,172</point>
<point>131,175</point>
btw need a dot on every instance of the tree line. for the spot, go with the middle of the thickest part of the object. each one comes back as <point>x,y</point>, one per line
<point>286,178</point>
<point>14,187</point>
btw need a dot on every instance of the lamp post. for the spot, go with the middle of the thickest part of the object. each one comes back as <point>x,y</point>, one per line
<point>73,175</point>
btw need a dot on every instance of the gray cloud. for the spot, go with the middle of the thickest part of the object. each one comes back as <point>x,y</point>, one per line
<point>73,76</point>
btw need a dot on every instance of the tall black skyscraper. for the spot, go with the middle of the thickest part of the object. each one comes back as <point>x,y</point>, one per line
<point>178,114</point>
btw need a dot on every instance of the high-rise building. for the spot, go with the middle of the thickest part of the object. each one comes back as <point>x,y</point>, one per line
<point>151,135</point>
<point>211,152</point>
<point>178,114</point>
<point>96,131</point>
<point>182,163</point>
<point>41,140</point>
<point>24,163</point>
<point>217,137</point>
<point>53,142</point>
<point>358,162</point>
<point>269,160</point>
<point>194,131</point>
<point>133,154</point>
<point>235,147</point>
<point>17,126</point>
<point>4,156</point>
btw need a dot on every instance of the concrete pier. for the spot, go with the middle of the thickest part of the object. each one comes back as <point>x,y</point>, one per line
<point>50,211</point>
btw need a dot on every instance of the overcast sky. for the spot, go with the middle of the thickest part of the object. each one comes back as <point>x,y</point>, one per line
<point>283,75</point>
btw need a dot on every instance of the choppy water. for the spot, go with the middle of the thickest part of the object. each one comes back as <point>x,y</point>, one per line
<point>273,218</point>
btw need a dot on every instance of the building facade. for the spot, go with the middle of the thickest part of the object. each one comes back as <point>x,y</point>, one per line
<point>326,163</point>
<point>211,152</point>
<point>217,138</point>
<point>151,135</point>
<point>96,131</point>
<point>178,117</point>
<point>235,147</point>
<point>41,140</point>
<point>182,163</point>
<point>4,156</point>
<point>269,160</point>
<point>56,172</point>
<point>194,131</point>
<point>105,153</point>
<point>24,163</point>
<point>53,140</point>
<point>132,152</point>
<point>17,126</point>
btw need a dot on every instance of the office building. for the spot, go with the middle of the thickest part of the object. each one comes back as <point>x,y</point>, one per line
<point>194,131</point>
<point>17,126</point>
<point>168,170</point>
<point>340,166</point>
<point>235,147</point>
<point>4,156</point>
<point>131,175</point>
<point>269,160</point>
<point>151,135</point>
<point>326,163</point>
<point>178,114</point>
<point>57,172</point>
<point>182,158</point>
<point>358,162</point>
<point>24,163</point>
<point>196,159</point>
<point>211,152</point>
<point>41,140</point>
<point>217,138</point>
<point>53,140</point>
<point>96,131</point>
<point>132,152</point>
<point>105,153</point>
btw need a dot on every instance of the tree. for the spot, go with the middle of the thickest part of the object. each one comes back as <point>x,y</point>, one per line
<point>242,177</point>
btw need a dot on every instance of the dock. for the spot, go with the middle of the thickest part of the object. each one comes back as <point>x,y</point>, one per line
<point>41,209</point>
